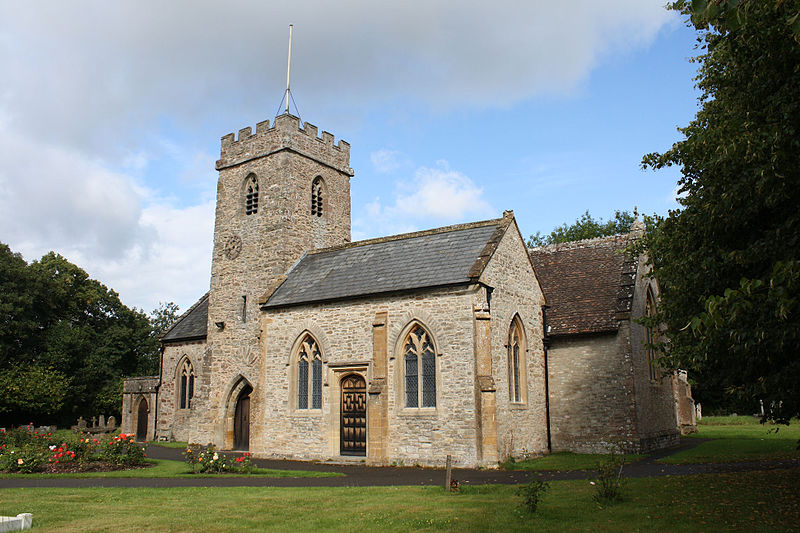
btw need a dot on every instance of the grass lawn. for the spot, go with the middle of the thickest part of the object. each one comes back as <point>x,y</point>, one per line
<point>566,461</point>
<point>164,468</point>
<point>740,438</point>
<point>754,501</point>
<point>171,444</point>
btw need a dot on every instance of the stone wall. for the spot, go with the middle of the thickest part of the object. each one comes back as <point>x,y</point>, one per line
<point>655,402</point>
<point>251,252</point>
<point>135,391</point>
<point>591,393</point>
<point>344,331</point>
<point>175,423</point>
<point>521,427</point>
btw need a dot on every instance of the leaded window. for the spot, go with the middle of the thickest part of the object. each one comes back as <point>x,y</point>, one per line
<point>309,375</point>
<point>650,335</point>
<point>420,368</point>
<point>316,197</point>
<point>251,196</point>
<point>186,392</point>
<point>516,351</point>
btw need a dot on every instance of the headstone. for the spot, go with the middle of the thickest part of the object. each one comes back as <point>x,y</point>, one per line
<point>112,422</point>
<point>447,473</point>
<point>102,422</point>
<point>81,423</point>
<point>94,421</point>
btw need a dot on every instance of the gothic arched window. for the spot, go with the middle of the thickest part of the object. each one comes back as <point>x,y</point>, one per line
<point>650,335</point>
<point>516,362</point>
<point>317,189</point>
<point>309,384</point>
<point>419,359</point>
<point>251,195</point>
<point>186,392</point>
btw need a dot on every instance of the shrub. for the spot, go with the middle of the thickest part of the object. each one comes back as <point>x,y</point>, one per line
<point>532,493</point>
<point>210,460</point>
<point>122,450</point>
<point>609,479</point>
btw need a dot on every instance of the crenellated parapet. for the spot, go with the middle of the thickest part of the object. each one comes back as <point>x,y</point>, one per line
<point>285,134</point>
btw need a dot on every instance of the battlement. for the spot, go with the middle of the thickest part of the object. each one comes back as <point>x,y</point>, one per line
<point>285,134</point>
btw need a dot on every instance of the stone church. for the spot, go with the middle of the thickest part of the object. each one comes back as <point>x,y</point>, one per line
<point>404,349</point>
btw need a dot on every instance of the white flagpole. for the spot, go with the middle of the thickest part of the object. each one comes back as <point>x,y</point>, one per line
<point>288,68</point>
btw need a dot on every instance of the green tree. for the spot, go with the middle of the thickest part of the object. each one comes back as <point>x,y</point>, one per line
<point>67,337</point>
<point>727,260</point>
<point>585,227</point>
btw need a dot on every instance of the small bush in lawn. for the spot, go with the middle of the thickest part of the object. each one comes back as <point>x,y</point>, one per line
<point>122,450</point>
<point>532,493</point>
<point>209,460</point>
<point>609,479</point>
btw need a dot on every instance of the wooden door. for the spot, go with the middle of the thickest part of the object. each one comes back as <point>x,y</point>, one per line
<point>141,421</point>
<point>241,421</point>
<point>353,427</point>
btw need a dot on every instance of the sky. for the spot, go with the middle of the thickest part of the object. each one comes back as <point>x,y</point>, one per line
<point>111,115</point>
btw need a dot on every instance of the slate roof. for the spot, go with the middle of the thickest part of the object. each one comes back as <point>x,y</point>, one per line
<point>434,258</point>
<point>588,285</point>
<point>191,325</point>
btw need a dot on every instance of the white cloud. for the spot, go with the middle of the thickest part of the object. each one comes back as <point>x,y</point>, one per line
<point>101,71</point>
<point>435,196</point>
<point>126,82</point>
<point>385,161</point>
<point>52,198</point>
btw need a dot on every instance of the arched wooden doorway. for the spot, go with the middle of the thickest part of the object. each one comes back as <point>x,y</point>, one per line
<point>353,422</point>
<point>141,420</point>
<point>241,420</point>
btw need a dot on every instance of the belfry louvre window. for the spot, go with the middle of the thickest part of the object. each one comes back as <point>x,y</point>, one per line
<point>309,385</point>
<point>186,392</point>
<point>420,368</point>
<point>316,197</point>
<point>515,355</point>
<point>251,196</point>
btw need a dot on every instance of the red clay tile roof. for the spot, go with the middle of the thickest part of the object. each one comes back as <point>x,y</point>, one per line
<point>588,284</point>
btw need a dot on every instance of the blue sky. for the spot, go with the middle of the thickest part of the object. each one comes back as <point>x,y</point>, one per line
<point>111,115</point>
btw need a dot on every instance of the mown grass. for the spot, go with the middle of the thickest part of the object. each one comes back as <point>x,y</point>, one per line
<point>171,469</point>
<point>565,461</point>
<point>172,444</point>
<point>753,501</point>
<point>740,438</point>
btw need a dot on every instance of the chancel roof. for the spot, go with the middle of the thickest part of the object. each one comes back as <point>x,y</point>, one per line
<point>434,258</point>
<point>588,285</point>
<point>191,325</point>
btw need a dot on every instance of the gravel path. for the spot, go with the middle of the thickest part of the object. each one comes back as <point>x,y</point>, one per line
<point>358,475</point>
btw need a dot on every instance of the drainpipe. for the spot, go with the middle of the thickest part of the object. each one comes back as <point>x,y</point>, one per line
<point>546,345</point>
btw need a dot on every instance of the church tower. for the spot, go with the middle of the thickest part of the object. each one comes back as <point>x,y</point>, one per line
<point>282,191</point>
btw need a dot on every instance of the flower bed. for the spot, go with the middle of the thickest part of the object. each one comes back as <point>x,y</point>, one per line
<point>25,450</point>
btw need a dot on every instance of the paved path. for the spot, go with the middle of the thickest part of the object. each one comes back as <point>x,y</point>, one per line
<point>358,475</point>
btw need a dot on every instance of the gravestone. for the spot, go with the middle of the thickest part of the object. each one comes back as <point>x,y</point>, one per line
<point>102,421</point>
<point>112,423</point>
<point>81,423</point>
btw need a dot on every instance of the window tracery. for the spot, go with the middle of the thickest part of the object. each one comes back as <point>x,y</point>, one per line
<point>309,375</point>
<point>316,197</point>
<point>420,368</point>
<point>251,195</point>
<point>186,392</point>
<point>515,356</point>
<point>650,335</point>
